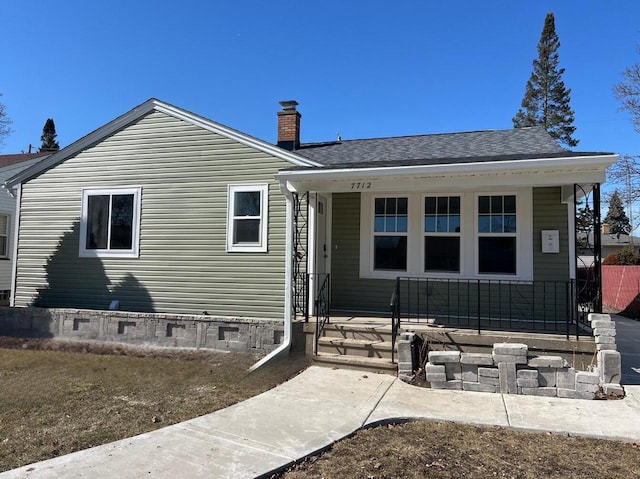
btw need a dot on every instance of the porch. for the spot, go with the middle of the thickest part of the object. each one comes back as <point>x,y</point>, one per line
<point>449,314</point>
<point>465,267</point>
<point>366,341</point>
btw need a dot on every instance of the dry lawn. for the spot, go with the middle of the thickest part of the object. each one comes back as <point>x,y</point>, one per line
<point>445,450</point>
<point>56,397</point>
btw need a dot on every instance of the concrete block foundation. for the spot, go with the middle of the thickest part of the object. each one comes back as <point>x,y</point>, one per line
<point>250,335</point>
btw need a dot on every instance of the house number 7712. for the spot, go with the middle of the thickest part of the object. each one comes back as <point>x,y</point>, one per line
<point>364,185</point>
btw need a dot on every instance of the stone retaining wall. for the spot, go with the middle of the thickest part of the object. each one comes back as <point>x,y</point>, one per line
<point>510,369</point>
<point>145,329</point>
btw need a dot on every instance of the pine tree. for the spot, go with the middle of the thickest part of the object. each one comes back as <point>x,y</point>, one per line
<point>616,217</point>
<point>48,137</point>
<point>546,99</point>
<point>584,225</point>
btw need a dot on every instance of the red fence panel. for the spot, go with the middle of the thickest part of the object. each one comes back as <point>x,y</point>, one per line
<point>621,288</point>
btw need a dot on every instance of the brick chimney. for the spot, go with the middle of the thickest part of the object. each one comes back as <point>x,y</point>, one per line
<point>605,229</point>
<point>289,126</point>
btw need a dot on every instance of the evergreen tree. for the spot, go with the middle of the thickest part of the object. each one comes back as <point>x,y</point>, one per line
<point>546,99</point>
<point>584,225</point>
<point>616,217</point>
<point>48,137</point>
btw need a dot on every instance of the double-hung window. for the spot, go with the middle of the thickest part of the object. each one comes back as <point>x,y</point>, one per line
<point>4,235</point>
<point>447,234</point>
<point>110,222</point>
<point>390,229</point>
<point>497,234</point>
<point>442,233</point>
<point>247,213</point>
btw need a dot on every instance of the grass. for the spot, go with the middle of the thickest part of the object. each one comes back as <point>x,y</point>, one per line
<point>446,450</point>
<point>56,398</point>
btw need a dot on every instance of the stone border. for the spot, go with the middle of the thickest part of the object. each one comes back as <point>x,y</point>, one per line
<point>509,369</point>
<point>145,329</point>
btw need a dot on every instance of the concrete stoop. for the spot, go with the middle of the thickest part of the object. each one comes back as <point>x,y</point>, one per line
<point>357,347</point>
<point>372,365</point>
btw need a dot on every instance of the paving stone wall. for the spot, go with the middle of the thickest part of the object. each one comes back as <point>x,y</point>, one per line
<point>145,329</point>
<point>509,368</point>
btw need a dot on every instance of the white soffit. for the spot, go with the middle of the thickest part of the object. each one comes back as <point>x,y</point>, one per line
<point>537,172</point>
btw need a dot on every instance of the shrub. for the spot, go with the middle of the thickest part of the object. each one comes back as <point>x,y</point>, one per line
<point>611,260</point>
<point>627,256</point>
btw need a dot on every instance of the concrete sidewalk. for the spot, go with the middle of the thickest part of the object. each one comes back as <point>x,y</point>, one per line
<point>316,408</point>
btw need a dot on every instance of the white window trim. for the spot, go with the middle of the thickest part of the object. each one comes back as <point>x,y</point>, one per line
<point>442,234</point>
<point>261,246</point>
<point>6,234</point>
<point>468,237</point>
<point>367,236</point>
<point>523,235</point>
<point>134,252</point>
<point>374,234</point>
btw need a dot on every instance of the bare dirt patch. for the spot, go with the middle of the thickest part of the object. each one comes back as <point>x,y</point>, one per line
<point>59,396</point>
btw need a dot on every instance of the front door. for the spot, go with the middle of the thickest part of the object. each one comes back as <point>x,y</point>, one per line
<point>321,237</point>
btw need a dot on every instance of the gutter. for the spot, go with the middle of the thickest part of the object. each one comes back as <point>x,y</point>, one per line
<point>288,274</point>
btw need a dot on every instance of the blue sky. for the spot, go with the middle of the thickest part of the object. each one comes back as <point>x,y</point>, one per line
<point>364,69</point>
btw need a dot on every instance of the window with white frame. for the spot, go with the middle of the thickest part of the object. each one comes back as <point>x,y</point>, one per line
<point>247,213</point>
<point>442,228</point>
<point>110,222</point>
<point>466,235</point>
<point>390,228</point>
<point>497,234</point>
<point>4,235</point>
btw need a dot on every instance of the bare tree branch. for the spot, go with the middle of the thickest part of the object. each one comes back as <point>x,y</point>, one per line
<point>5,122</point>
<point>628,93</point>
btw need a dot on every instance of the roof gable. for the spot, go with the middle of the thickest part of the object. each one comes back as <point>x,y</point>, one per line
<point>140,111</point>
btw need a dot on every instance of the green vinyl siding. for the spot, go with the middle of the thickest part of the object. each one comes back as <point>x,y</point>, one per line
<point>549,213</point>
<point>183,267</point>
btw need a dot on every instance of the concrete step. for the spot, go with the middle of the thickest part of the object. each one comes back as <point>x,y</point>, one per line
<point>372,365</point>
<point>355,347</point>
<point>356,331</point>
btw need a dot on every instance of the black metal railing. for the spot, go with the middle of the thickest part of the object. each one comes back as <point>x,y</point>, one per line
<point>322,303</point>
<point>532,306</point>
<point>395,319</point>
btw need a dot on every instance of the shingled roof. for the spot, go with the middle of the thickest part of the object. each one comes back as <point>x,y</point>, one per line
<point>444,148</point>
<point>7,160</point>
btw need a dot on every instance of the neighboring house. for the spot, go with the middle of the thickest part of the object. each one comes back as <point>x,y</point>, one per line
<point>609,244</point>
<point>613,243</point>
<point>10,165</point>
<point>165,211</point>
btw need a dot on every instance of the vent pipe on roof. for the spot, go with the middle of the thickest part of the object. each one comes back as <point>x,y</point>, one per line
<point>289,125</point>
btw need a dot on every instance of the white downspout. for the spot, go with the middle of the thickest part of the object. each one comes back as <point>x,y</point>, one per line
<point>288,274</point>
<point>16,228</point>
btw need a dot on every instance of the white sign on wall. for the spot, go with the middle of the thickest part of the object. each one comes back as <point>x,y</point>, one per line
<point>550,241</point>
